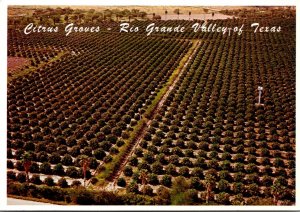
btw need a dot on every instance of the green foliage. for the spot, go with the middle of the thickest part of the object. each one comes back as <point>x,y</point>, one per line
<point>21,177</point>
<point>223,198</point>
<point>45,168</point>
<point>77,196</point>
<point>83,197</point>
<point>153,179</point>
<point>36,179</point>
<point>11,175</point>
<point>166,180</point>
<point>163,196</point>
<point>128,171</point>
<point>49,181</point>
<point>136,199</point>
<point>181,194</point>
<point>132,187</point>
<point>121,182</point>
<point>62,182</point>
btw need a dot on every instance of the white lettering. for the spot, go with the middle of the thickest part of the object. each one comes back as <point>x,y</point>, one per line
<point>124,27</point>
<point>27,29</point>
<point>265,28</point>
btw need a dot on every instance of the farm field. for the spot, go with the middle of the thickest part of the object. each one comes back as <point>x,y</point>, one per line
<point>165,119</point>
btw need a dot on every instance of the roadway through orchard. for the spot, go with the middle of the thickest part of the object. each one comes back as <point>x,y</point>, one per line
<point>14,201</point>
<point>193,50</point>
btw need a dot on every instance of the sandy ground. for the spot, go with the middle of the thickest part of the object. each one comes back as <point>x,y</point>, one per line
<point>12,201</point>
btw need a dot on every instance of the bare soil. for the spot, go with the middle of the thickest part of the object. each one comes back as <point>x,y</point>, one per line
<point>14,64</point>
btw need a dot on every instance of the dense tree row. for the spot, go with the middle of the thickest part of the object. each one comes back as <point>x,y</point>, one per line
<point>212,132</point>
<point>210,142</point>
<point>86,102</point>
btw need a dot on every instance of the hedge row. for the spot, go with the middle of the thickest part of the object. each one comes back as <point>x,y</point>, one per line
<point>80,196</point>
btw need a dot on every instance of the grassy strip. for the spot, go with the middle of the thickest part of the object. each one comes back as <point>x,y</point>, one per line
<point>164,89</point>
<point>155,102</point>
<point>32,68</point>
<point>110,168</point>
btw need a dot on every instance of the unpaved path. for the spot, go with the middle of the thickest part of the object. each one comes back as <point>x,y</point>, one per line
<point>112,185</point>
